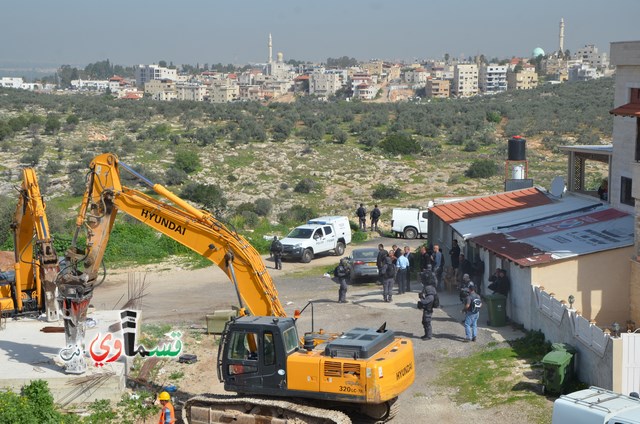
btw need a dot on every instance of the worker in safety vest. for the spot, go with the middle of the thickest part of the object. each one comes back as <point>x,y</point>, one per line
<point>167,415</point>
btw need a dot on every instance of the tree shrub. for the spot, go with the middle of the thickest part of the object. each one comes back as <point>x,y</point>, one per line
<point>187,161</point>
<point>381,191</point>
<point>175,176</point>
<point>482,168</point>
<point>52,125</point>
<point>263,206</point>
<point>400,143</point>
<point>305,185</point>
<point>251,219</point>
<point>209,196</point>
<point>494,116</point>
<point>296,214</point>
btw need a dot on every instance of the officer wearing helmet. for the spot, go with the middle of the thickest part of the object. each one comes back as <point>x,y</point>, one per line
<point>167,414</point>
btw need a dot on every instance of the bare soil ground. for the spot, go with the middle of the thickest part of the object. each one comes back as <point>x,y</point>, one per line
<point>183,297</point>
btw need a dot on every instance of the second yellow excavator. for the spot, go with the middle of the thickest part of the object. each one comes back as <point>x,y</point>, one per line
<point>261,356</point>
<point>31,288</point>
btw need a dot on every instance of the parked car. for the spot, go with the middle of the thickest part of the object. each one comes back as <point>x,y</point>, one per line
<point>362,263</point>
<point>318,235</point>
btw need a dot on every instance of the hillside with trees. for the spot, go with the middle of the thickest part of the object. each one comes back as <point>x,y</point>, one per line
<point>266,167</point>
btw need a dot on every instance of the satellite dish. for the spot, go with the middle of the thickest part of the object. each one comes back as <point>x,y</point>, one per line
<point>557,186</point>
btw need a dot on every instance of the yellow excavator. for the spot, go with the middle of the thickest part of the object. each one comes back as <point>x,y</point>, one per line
<point>31,288</point>
<point>277,375</point>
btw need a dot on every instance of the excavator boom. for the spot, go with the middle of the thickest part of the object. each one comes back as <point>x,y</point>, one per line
<point>192,227</point>
<point>36,261</point>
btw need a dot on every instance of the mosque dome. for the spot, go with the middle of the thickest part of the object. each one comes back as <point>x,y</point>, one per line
<point>538,52</point>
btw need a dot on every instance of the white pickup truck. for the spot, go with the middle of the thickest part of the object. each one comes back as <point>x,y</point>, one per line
<point>596,406</point>
<point>409,222</point>
<point>318,235</point>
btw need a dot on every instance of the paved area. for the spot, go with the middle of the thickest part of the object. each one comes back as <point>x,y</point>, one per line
<point>27,353</point>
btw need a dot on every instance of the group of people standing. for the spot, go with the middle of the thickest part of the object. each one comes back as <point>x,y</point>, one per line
<point>394,267</point>
<point>374,216</point>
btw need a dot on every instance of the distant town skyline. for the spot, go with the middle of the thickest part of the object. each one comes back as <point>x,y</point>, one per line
<point>129,33</point>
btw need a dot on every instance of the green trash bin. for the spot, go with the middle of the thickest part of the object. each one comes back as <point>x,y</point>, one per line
<point>497,305</point>
<point>557,369</point>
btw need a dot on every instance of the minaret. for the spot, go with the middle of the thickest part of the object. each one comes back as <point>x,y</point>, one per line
<point>270,49</point>
<point>561,35</point>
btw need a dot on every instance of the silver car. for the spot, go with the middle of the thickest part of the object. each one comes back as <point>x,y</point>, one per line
<point>362,263</point>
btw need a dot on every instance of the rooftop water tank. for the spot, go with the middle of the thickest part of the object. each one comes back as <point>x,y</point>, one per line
<point>517,148</point>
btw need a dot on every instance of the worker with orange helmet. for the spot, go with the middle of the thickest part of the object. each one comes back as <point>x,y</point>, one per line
<point>167,415</point>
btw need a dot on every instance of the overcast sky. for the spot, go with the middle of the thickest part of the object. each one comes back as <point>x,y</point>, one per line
<point>130,32</point>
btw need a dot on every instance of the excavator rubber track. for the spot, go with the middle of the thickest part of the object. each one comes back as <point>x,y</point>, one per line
<point>207,409</point>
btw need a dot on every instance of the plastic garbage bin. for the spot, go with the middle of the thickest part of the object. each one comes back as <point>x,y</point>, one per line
<point>497,306</point>
<point>557,370</point>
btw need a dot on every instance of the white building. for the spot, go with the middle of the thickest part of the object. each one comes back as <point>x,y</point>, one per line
<point>93,85</point>
<point>11,82</point>
<point>417,77</point>
<point>583,72</point>
<point>465,80</point>
<point>164,90</point>
<point>324,84</point>
<point>492,78</point>
<point>191,91</point>
<point>146,73</point>
<point>365,92</point>
<point>224,91</point>
<point>589,55</point>
<point>359,78</point>
<point>624,187</point>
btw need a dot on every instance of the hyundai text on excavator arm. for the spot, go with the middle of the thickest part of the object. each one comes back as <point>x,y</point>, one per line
<point>36,263</point>
<point>361,371</point>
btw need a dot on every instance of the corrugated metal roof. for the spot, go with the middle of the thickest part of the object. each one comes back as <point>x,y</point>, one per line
<point>565,205</point>
<point>560,237</point>
<point>488,205</point>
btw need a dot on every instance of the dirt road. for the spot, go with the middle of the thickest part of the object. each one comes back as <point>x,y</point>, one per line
<point>183,297</point>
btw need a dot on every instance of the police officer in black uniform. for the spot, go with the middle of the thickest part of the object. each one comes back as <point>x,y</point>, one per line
<point>427,297</point>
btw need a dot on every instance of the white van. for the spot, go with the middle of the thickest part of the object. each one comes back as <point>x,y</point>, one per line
<point>596,406</point>
<point>409,222</point>
<point>318,235</point>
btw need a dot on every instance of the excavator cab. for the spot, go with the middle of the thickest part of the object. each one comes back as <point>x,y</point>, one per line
<point>253,353</point>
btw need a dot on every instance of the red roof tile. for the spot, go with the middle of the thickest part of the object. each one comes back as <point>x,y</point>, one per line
<point>488,205</point>
<point>630,109</point>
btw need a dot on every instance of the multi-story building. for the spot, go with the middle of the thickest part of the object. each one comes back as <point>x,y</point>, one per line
<point>146,73</point>
<point>224,91</point>
<point>492,78</point>
<point>324,84</point>
<point>589,55</point>
<point>365,91</point>
<point>624,181</point>
<point>556,67</point>
<point>438,88</point>
<point>416,76</point>
<point>465,80</point>
<point>360,78</point>
<point>392,71</point>
<point>164,89</point>
<point>191,91</point>
<point>525,79</point>
<point>582,72</point>
<point>251,92</point>
<point>373,67</point>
